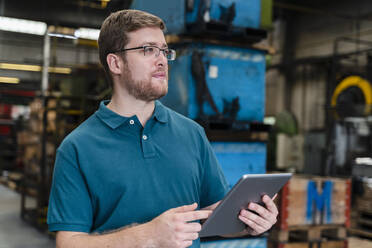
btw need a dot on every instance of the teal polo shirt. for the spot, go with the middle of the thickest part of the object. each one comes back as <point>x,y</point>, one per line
<point>111,172</point>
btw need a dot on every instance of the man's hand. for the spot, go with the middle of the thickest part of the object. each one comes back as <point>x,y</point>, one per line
<point>174,228</point>
<point>263,220</point>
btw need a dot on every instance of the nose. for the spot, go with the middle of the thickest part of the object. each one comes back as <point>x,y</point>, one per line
<point>161,60</point>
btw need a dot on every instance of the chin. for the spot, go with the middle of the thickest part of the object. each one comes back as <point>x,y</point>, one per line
<point>160,85</point>
<point>161,92</point>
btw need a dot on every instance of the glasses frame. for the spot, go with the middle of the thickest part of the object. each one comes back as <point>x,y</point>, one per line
<point>156,55</point>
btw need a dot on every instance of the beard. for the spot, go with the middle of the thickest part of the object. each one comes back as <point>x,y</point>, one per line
<point>144,90</point>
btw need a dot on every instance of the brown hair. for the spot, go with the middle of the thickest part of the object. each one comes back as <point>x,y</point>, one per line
<point>114,32</point>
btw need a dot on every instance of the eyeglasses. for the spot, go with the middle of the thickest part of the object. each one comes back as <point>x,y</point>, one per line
<point>149,51</point>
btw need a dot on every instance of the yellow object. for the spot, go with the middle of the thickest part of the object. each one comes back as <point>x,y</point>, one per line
<point>23,67</point>
<point>354,81</point>
<point>9,80</point>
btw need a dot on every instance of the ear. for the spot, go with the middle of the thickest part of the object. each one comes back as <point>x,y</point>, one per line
<point>115,63</point>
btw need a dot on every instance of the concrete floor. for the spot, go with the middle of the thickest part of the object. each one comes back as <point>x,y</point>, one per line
<point>14,232</point>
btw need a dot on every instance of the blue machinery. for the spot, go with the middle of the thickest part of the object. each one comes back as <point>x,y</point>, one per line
<point>220,86</point>
<point>184,16</point>
<point>231,78</point>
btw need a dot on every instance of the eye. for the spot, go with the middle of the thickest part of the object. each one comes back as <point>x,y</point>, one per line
<point>149,50</point>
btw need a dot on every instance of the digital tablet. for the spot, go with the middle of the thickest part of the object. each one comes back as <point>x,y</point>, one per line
<point>250,188</point>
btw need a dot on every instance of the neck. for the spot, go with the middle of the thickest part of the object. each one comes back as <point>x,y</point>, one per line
<point>126,105</point>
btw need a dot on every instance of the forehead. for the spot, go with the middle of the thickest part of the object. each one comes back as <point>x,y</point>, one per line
<point>147,36</point>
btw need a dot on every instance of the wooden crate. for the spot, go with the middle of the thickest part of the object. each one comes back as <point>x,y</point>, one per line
<point>320,244</point>
<point>297,202</point>
<point>319,236</point>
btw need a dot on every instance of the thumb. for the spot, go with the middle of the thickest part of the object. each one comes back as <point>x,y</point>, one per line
<point>186,208</point>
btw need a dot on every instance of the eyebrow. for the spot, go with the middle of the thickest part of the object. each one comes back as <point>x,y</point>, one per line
<point>149,43</point>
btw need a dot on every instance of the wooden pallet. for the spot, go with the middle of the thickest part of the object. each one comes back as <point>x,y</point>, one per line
<point>363,224</point>
<point>319,244</point>
<point>364,205</point>
<point>360,233</point>
<point>365,220</point>
<point>309,233</point>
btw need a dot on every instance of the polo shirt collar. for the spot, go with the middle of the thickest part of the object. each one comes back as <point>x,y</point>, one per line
<point>160,112</point>
<point>109,117</point>
<point>114,120</point>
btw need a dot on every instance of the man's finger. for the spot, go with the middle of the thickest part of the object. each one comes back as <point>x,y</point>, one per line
<point>192,227</point>
<point>185,208</point>
<point>275,196</point>
<point>253,227</point>
<point>259,222</point>
<point>270,204</point>
<point>189,236</point>
<point>261,211</point>
<point>196,215</point>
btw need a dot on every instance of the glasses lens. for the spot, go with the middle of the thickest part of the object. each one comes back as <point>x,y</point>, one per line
<point>170,54</point>
<point>149,51</point>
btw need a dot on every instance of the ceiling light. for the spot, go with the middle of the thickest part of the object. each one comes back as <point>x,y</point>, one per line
<point>22,26</point>
<point>9,80</point>
<point>39,28</point>
<point>63,36</point>
<point>23,67</point>
<point>20,67</point>
<point>62,70</point>
<point>87,33</point>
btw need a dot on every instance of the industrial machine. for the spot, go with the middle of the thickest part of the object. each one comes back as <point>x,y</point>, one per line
<point>219,83</point>
<point>349,117</point>
<point>229,17</point>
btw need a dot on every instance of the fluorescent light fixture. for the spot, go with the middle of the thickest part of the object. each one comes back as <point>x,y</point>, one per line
<point>20,67</point>
<point>366,161</point>
<point>22,26</point>
<point>39,28</point>
<point>87,33</point>
<point>9,80</point>
<point>61,70</point>
<point>23,67</point>
<point>63,36</point>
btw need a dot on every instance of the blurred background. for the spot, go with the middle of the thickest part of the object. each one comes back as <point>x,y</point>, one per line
<point>278,85</point>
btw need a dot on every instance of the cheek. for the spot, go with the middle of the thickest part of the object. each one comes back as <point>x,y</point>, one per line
<point>139,72</point>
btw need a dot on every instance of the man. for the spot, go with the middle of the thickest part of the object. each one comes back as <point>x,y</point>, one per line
<point>137,174</point>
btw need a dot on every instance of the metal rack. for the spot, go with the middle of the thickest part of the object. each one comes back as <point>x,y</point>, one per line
<point>37,185</point>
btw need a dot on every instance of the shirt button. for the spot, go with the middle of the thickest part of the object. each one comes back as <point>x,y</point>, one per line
<point>131,122</point>
<point>144,137</point>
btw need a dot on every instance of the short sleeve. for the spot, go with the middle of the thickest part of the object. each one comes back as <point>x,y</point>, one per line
<point>214,185</point>
<point>70,207</point>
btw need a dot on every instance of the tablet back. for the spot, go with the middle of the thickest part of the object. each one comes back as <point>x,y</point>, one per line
<point>250,188</point>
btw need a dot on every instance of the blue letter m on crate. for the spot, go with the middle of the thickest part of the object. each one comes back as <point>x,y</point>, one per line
<point>322,201</point>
